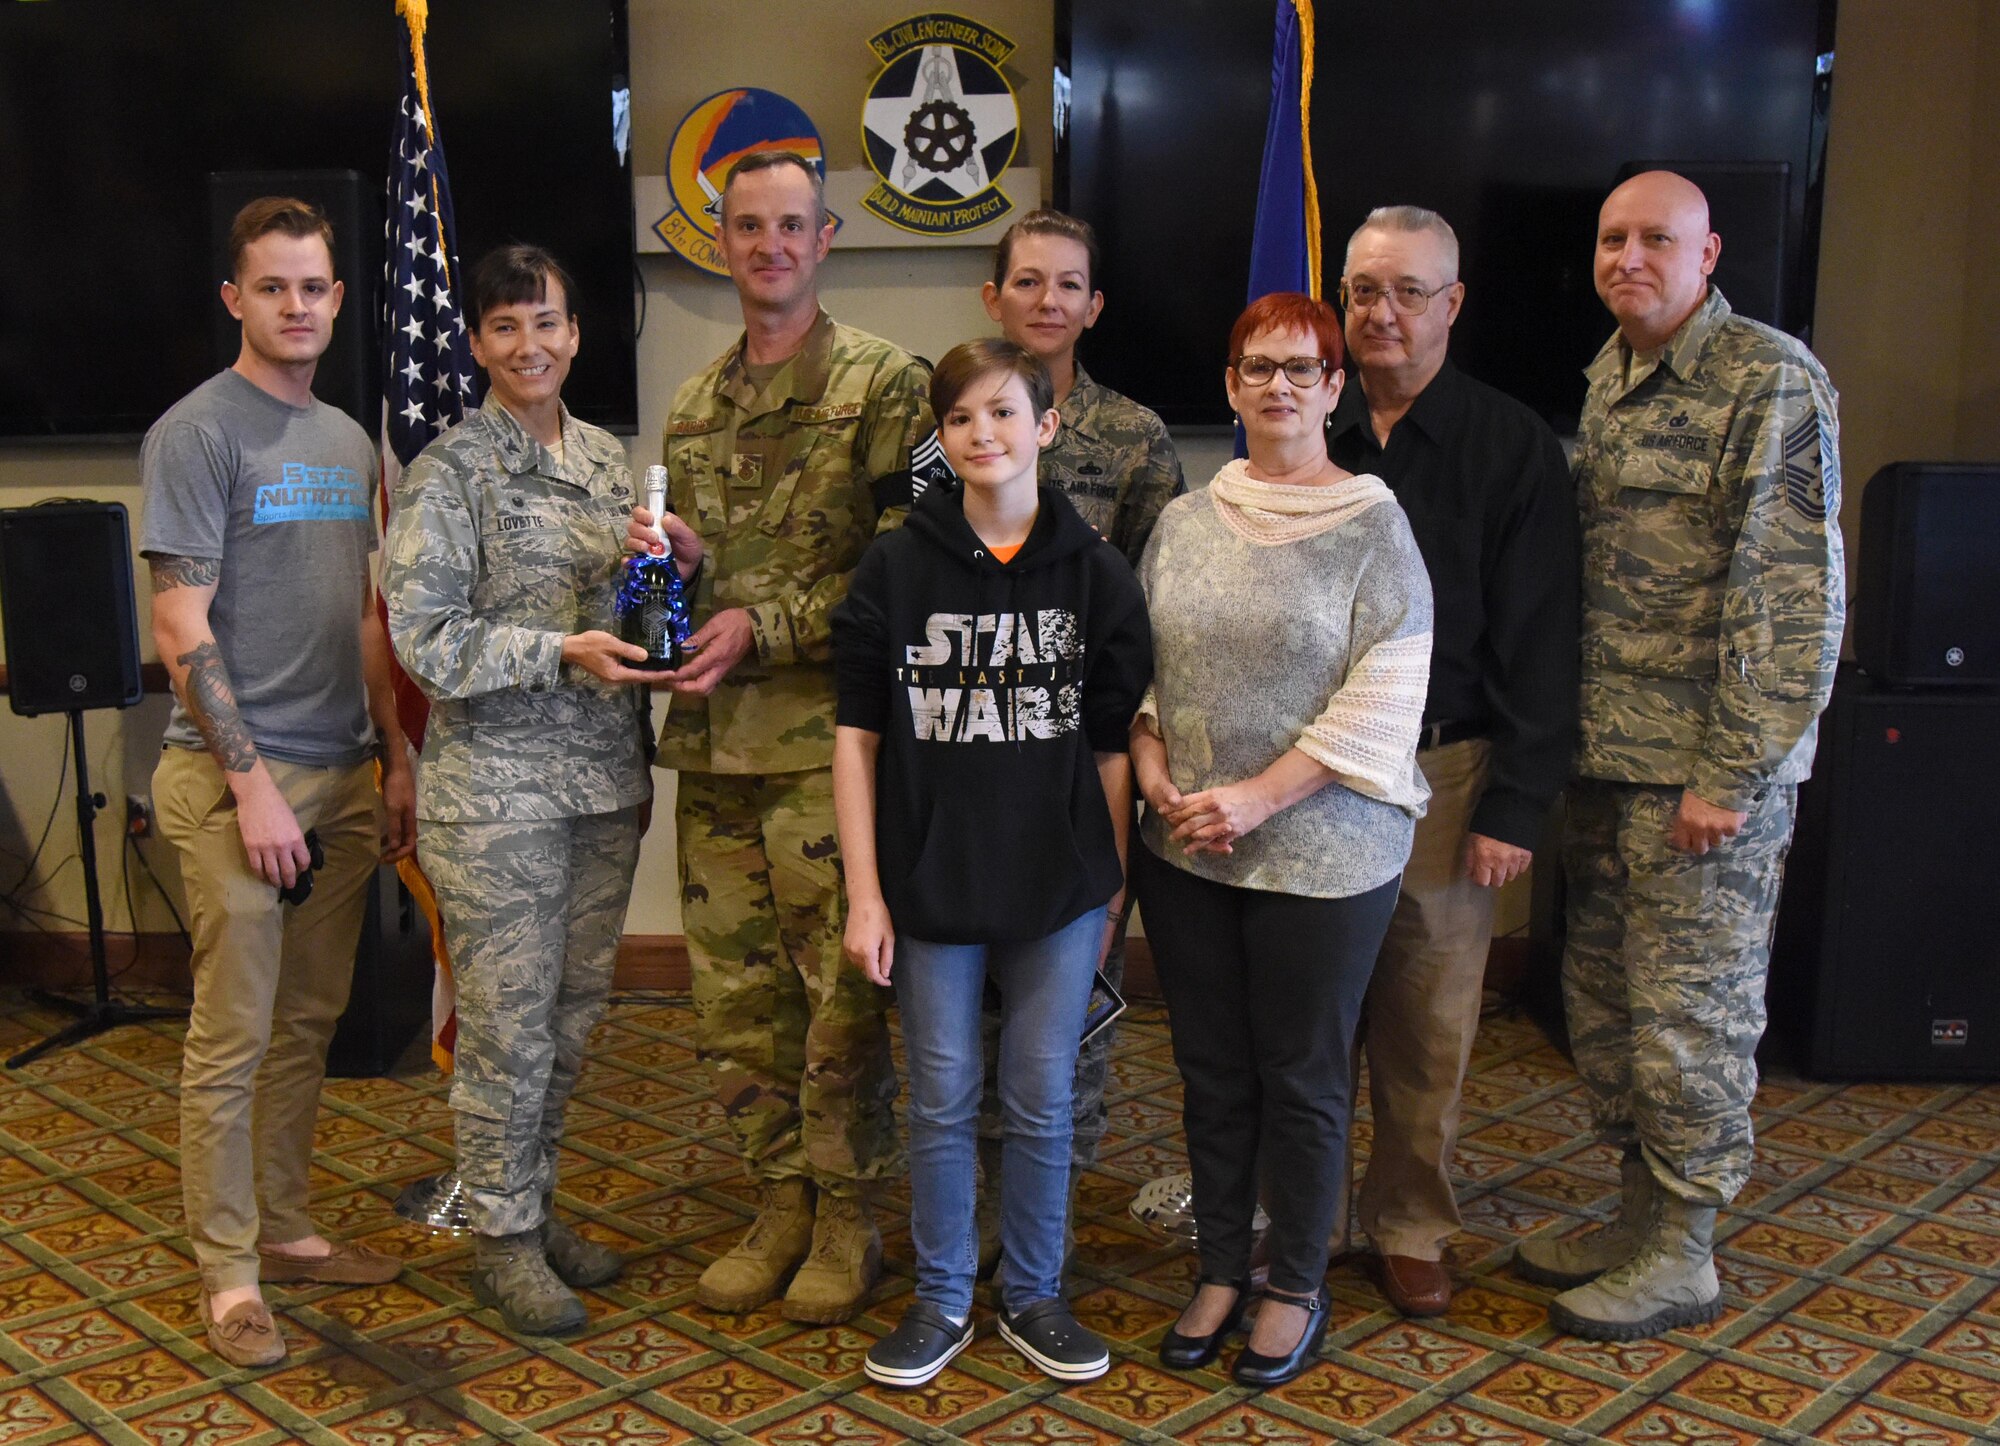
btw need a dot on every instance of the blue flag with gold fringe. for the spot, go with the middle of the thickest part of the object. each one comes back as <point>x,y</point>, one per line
<point>1284,248</point>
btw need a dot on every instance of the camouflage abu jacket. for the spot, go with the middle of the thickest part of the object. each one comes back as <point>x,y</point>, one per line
<point>1114,460</point>
<point>1713,584</point>
<point>495,554</point>
<point>787,483</point>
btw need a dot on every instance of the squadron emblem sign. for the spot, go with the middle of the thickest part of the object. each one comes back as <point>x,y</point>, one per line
<point>714,136</point>
<point>940,125</point>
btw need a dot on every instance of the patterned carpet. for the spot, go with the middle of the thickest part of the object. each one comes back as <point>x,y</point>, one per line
<point>1861,1271</point>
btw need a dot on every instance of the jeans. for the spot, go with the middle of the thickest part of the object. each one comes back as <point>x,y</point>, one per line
<point>1045,990</point>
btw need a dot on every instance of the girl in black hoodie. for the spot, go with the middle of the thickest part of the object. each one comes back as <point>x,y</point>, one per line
<point>990,656</point>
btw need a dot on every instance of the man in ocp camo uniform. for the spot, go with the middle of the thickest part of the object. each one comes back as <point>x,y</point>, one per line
<point>1708,477</point>
<point>784,455</point>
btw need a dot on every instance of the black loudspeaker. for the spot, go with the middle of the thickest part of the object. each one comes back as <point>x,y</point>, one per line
<point>391,997</point>
<point>1886,963</point>
<point>1749,208</point>
<point>348,376</point>
<point>72,625</point>
<point>1927,588</point>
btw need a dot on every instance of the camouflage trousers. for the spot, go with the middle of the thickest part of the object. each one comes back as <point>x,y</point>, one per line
<point>1663,977</point>
<point>532,914</point>
<point>798,1038</point>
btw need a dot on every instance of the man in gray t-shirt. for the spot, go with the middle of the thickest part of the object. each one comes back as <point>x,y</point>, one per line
<point>256,523</point>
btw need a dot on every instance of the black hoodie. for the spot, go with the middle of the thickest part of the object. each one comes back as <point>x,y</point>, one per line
<point>992,685</point>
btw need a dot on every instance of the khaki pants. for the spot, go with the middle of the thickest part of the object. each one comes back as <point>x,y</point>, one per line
<point>270,982</point>
<point>1421,1015</point>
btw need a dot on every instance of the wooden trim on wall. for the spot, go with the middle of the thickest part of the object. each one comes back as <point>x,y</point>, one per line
<point>647,963</point>
<point>62,961</point>
<point>152,678</point>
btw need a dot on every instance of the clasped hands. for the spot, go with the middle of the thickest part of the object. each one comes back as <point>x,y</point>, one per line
<point>1209,821</point>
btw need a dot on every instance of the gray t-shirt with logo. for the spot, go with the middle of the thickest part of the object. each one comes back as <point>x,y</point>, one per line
<point>280,495</point>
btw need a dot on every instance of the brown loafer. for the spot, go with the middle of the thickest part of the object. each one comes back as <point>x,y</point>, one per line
<point>1415,1287</point>
<point>246,1336</point>
<point>346,1264</point>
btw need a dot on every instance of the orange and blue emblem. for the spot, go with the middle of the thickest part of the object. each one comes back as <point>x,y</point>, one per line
<point>711,138</point>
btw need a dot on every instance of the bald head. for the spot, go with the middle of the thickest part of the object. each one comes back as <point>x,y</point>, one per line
<point>1662,193</point>
<point>1654,255</point>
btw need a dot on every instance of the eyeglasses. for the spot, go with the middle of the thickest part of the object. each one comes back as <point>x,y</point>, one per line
<point>1300,371</point>
<point>1406,299</point>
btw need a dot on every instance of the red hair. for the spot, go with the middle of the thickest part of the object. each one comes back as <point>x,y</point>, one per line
<point>1289,311</point>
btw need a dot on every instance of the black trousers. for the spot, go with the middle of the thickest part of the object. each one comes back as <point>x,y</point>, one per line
<point>1264,994</point>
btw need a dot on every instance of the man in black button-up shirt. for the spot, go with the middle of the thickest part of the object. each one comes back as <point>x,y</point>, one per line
<point>1488,495</point>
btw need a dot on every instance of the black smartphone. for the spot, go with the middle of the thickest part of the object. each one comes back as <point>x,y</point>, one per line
<point>302,888</point>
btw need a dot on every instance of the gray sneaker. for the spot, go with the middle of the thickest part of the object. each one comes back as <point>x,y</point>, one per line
<point>511,1274</point>
<point>1669,1282</point>
<point>1580,1259</point>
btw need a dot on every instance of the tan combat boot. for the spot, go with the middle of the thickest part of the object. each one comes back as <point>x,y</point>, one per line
<point>845,1261</point>
<point>1580,1259</point>
<point>778,1239</point>
<point>1669,1281</point>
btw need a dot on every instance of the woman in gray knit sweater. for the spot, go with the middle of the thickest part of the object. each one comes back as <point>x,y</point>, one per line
<point>1277,756</point>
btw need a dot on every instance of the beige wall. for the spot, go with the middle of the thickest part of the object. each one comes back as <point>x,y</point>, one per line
<point>682,51</point>
<point>1909,323</point>
<point>1979,367</point>
<point>1912,215</point>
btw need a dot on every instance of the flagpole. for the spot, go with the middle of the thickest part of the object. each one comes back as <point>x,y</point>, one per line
<point>1304,9</point>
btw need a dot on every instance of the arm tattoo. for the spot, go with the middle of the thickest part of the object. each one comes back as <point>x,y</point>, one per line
<point>171,571</point>
<point>211,702</point>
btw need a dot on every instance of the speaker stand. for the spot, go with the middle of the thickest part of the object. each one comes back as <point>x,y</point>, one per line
<point>102,1012</point>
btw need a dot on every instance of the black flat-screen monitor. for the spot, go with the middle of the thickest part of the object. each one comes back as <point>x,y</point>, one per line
<point>1512,120</point>
<point>115,112</point>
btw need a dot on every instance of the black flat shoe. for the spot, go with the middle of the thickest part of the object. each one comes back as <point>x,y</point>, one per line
<point>1190,1353</point>
<point>1263,1372</point>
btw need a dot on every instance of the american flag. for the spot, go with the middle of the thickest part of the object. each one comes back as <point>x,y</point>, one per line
<point>427,384</point>
<point>427,371</point>
<point>427,365</point>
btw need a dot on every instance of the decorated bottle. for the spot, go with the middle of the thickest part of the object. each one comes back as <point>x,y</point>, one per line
<point>652,601</point>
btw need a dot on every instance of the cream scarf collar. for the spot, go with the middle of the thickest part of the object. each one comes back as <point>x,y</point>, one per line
<point>1269,513</point>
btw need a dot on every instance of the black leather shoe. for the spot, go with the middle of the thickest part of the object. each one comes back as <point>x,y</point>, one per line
<point>1263,1372</point>
<point>1190,1353</point>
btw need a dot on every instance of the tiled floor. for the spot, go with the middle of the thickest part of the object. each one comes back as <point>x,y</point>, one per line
<point>1861,1270</point>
